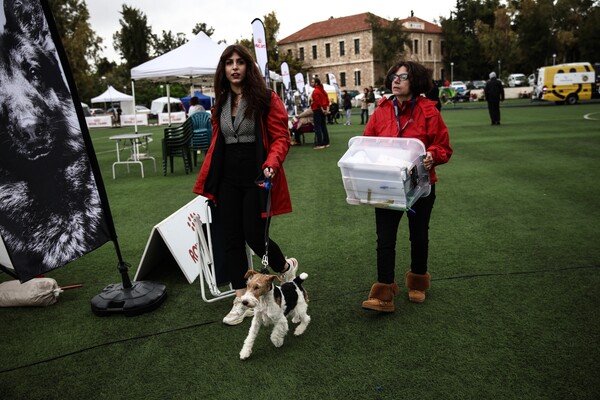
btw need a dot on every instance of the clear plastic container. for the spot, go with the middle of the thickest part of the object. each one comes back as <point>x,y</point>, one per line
<point>384,172</point>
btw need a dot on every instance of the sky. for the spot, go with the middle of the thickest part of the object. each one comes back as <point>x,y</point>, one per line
<point>231,19</point>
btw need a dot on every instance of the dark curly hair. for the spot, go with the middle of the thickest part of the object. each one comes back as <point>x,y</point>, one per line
<point>418,76</point>
<point>254,88</point>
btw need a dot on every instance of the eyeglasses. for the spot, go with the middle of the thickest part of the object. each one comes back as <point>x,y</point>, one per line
<point>401,77</point>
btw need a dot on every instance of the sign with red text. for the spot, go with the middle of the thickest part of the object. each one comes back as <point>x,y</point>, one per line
<point>175,118</point>
<point>132,120</point>
<point>174,240</point>
<point>104,121</point>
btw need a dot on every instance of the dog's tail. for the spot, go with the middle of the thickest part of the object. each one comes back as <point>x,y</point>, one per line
<point>300,279</point>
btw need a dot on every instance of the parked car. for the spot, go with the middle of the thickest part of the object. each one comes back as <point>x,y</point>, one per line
<point>357,99</point>
<point>476,85</point>
<point>515,80</point>
<point>459,86</point>
<point>97,111</point>
<point>142,110</point>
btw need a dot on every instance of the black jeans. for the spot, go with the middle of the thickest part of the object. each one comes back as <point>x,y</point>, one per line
<point>240,211</point>
<point>320,124</point>
<point>387,222</point>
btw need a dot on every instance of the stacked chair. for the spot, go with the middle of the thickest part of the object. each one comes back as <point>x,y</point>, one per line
<point>177,142</point>
<point>202,133</point>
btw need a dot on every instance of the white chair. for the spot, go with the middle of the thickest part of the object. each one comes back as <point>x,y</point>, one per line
<point>206,259</point>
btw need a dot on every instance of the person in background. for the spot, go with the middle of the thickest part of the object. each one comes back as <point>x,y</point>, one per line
<point>301,120</point>
<point>249,143</point>
<point>364,107</point>
<point>407,114</point>
<point>347,105</point>
<point>195,106</point>
<point>494,94</point>
<point>334,112</point>
<point>320,108</point>
<point>371,100</point>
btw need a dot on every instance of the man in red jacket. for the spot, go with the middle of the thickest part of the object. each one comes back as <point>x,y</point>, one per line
<point>320,107</point>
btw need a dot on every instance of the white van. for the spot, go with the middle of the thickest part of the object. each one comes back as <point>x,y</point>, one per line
<point>515,80</point>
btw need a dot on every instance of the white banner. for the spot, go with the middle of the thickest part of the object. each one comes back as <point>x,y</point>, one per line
<point>176,118</point>
<point>289,100</point>
<point>99,122</point>
<point>300,86</point>
<point>333,82</point>
<point>131,119</point>
<point>260,49</point>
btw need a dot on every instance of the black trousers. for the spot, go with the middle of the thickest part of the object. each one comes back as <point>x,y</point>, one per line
<point>494,110</point>
<point>239,207</point>
<point>387,222</point>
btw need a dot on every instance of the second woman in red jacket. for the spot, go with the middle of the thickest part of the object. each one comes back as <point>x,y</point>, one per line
<point>250,139</point>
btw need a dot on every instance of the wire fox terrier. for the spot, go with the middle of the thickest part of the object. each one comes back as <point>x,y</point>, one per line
<point>272,304</point>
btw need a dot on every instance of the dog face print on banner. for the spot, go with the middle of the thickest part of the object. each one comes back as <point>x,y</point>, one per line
<point>50,208</point>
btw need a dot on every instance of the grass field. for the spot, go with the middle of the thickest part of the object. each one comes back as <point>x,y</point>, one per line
<point>513,312</point>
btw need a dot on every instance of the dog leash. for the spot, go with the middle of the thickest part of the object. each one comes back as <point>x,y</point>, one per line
<point>266,184</point>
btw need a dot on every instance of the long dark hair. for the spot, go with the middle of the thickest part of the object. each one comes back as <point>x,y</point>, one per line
<point>418,76</point>
<point>254,89</point>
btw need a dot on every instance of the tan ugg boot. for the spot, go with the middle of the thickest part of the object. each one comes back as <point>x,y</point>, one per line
<point>417,284</point>
<point>381,297</point>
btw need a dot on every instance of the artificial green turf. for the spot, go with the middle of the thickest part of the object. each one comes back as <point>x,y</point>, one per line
<point>513,312</point>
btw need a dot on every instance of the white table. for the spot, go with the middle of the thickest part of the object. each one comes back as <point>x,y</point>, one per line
<point>136,140</point>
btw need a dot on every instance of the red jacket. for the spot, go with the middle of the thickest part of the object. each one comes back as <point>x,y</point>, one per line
<point>320,100</point>
<point>426,125</point>
<point>276,143</point>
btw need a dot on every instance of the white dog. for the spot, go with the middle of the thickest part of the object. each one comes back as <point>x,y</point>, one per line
<point>271,305</point>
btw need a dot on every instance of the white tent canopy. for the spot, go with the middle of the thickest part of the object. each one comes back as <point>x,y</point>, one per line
<point>112,95</point>
<point>158,105</point>
<point>197,57</point>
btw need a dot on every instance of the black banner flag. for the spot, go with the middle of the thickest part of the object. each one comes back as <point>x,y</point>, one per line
<point>53,206</point>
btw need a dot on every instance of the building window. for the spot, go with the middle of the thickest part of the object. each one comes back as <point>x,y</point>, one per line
<point>416,46</point>
<point>342,48</point>
<point>327,50</point>
<point>342,79</point>
<point>314,51</point>
<point>356,78</point>
<point>301,55</point>
<point>442,52</point>
<point>429,47</point>
<point>356,46</point>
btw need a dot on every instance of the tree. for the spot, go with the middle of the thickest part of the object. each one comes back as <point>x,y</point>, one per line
<point>81,43</point>
<point>389,41</point>
<point>202,27</point>
<point>167,42</point>
<point>133,40</point>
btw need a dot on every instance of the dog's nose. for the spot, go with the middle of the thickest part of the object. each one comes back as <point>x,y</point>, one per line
<point>245,302</point>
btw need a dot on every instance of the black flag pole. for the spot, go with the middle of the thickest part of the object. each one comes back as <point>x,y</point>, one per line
<point>128,298</point>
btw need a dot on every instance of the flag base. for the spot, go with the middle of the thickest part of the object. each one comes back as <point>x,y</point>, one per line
<point>140,298</point>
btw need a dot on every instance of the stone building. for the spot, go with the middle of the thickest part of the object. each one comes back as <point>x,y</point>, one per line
<point>342,46</point>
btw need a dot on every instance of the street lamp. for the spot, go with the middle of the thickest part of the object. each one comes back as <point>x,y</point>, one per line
<point>452,72</point>
<point>554,59</point>
<point>499,69</point>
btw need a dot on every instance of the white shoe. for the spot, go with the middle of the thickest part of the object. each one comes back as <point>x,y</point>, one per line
<point>238,313</point>
<point>290,274</point>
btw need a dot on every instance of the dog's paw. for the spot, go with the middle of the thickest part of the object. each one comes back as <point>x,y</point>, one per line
<point>277,341</point>
<point>299,330</point>
<point>245,354</point>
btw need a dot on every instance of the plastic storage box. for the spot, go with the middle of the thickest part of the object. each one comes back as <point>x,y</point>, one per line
<point>384,172</point>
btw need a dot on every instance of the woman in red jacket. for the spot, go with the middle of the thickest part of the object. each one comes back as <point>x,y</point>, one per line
<point>250,141</point>
<point>407,114</point>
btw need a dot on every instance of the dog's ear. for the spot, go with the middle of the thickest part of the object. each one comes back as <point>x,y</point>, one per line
<point>271,278</point>
<point>249,273</point>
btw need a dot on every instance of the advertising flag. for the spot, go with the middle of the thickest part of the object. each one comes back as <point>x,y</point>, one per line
<point>260,49</point>
<point>302,90</point>
<point>333,82</point>
<point>289,99</point>
<point>53,206</point>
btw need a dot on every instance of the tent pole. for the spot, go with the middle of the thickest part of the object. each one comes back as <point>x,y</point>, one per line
<point>169,102</point>
<point>134,108</point>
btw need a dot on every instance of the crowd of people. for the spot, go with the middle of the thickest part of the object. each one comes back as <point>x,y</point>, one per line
<point>252,133</point>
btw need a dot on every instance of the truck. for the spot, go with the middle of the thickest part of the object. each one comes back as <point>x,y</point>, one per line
<point>567,83</point>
